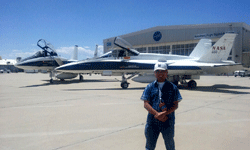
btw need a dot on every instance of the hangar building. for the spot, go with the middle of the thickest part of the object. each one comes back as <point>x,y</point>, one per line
<point>181,39</point>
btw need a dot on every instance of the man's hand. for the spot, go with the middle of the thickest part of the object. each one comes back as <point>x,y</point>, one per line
<point>161,104</point>
<point>172,109</point>
<point>161,116</point>
<point>158,115</point>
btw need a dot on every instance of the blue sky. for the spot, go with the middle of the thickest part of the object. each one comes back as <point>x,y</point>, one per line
<point>65,23</point>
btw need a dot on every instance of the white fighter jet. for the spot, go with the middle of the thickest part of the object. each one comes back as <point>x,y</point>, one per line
<point>205,58</point>
<point>47,60</point>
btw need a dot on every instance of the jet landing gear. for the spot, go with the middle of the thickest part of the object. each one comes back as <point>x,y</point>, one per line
<point>51,77</point>
<point>124,83</point>
<point>191,84</point>
<point>80,77</point>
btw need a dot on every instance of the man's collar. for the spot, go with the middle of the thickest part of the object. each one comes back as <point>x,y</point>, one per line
<point>156,83</point>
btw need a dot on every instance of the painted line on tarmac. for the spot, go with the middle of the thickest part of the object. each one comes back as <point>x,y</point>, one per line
<point>211,122</point>
<point>24,135</point>
<point>121,103</point>
<point>54,106</point>
<point>114,129</point>
<point>48,106</point>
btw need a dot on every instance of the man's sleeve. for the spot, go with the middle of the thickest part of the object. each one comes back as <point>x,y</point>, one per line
<point>177,95</point>
<point>146,94</point>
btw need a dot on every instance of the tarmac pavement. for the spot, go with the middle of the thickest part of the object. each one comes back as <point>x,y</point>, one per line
<point>97,114</point>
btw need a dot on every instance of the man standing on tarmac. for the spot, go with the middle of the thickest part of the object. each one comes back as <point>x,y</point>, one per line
<point>161,99</point>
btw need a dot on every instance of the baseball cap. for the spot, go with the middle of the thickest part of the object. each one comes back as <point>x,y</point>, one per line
<point>160,66</point>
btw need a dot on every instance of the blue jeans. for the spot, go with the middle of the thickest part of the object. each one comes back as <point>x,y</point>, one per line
<point>152,131</point>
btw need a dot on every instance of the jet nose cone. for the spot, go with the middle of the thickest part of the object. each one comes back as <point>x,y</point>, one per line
<point>20,65</point>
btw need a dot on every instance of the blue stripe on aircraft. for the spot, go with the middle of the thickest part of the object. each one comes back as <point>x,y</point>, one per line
<point>184,68</point>
<point>121,66</point>
<point>43,63</point>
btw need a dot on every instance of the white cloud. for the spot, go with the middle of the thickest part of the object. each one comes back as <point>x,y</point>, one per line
<point>83,52</point>
<point>100,50</point>
<point>65,50</point>
<point>18,53</point>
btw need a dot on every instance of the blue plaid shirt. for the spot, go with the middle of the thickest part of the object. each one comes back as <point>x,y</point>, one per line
<point>170,93</point>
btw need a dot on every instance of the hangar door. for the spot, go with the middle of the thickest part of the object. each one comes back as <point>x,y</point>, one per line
<point>246,59</point>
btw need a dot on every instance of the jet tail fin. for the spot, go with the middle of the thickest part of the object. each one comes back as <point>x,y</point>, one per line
<point>75,53</point>
<point>220,50</point>
<point>96,51</point>
<point>201,48</point>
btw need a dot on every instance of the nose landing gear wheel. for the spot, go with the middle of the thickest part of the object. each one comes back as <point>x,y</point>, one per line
<point>124,85</point>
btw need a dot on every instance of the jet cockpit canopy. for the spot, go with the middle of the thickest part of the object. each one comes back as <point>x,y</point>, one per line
<point>48,50</point>
<point>36,55</point>
<point>47,47</point>
<point>122,48</point>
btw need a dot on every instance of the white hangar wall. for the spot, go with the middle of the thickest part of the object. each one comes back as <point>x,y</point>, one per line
<point>181,39</point>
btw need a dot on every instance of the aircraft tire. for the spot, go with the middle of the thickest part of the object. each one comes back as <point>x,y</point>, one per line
<point>124,85</point>
<point>51,81</point>
<point>192,84</point>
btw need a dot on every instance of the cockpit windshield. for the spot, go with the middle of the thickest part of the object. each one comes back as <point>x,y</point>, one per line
<point>40,54</point>
<point>36,55</point>
<point>106,55</point>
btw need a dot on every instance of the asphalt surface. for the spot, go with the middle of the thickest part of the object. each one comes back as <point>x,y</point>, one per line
<point>97,114</point>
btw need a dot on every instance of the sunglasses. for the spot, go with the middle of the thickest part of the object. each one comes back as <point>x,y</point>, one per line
<point>161,71</point>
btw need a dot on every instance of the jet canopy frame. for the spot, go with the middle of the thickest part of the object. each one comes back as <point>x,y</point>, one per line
<point>121,48</point>
<point>48,48</point>
<point>127,48</point>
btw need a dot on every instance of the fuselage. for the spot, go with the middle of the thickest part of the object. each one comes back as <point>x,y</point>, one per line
<point>40,63</point>
<point>142,63</point>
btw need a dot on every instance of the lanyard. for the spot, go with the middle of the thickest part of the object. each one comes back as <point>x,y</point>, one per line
<point>160,93</point>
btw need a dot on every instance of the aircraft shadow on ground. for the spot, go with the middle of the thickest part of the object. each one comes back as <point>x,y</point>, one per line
<point>135,88</point>
<point>220,88</point>
<point>58,82</point>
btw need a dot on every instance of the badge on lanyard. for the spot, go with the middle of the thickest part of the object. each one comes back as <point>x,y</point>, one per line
<point>161,100</point>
